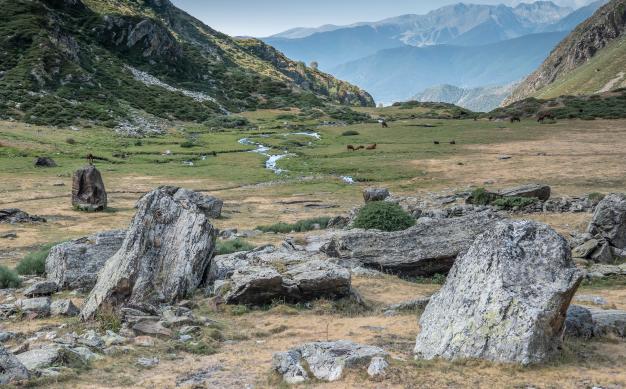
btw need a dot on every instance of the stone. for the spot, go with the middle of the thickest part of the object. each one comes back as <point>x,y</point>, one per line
<point>86,354</point>
<point>586,249</point>
<point>91,339</point>
<point>378,367</point>
<point>88,192</point>
<point>8,235</point>
<point>15,216</point>
<point>41,288</point>
<point>164,257</point>
<point>609,220</point>
<point>608,322</point>
<point>11,369</point>
<point>585,298</point>
<point>75,264</point>
<point>45,162</point>
<point>113,339</point>
<point>39,306</point>
<point>578,323</point>
<point>541,192</point>
<point>417,304</point>
<point>144,341</point>
<point>5,336</point>
<point>148,362</point>
<point>325,360</point>
<point>375,194</point>
<point>64,307</point>
<point>428,248</point>
<point>54,355</point>
<point>148,327</point>
<point>197,378</point>
<point>505,300</point>
<point>603,254</point>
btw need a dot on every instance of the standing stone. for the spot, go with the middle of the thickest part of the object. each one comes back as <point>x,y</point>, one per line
<point>88,193</point>
<point>75,264</point>
<point>164,257</point>
<point>11,369</point>
<point>375,194</point>
<point>505,300</point>
<point>609,220</point>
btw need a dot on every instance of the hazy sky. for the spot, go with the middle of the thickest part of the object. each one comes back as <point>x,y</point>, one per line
<point>266,17</point>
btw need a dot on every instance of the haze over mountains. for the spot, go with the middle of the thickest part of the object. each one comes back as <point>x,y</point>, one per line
<point>464,45</point>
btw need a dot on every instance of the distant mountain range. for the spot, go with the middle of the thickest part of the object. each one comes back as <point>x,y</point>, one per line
<point>481,99</point>
<point>398,57</point>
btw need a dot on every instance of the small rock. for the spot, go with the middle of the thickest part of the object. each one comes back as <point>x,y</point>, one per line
<point>585,249</point>
<point>378,367</point>
<point>86,353</point>
<point>188,330</point>
<point>39,306</point>
<point>8,235</point>
<point>375,194</point>
<point>64,307</point>
<point>148,327</point>
<point>578,323</point>
<point>88,193</point>
<point>11,369</point>
<point>148,362</point>
<point>113,339</point>
<point>144,341</point>
<point>50,356</point>
<point>91,339</point>
<point>596,300</point>
<point>41,288</point>
<point>504,157</point>
<point>45,162</point>
<point>4,336</point>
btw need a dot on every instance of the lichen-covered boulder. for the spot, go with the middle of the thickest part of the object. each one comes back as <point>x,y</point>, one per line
<point>375,194</point>
<point>11,369</point>
<point>505,300</point>
<point>88,192</point>
<point>164,257</point>
<point>579,322</point>
<point>75,264</point>
<point>609,220</point>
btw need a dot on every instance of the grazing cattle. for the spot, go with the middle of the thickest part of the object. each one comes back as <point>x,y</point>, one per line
<point>490,118</point>
<point>516,119</point>
<point>542,116</point>
<point>351,148</point>
<point>360,147</point>
<point>372,147</point>
<point>436,142</point>
<point>383,123</point>
<point>453,142</point>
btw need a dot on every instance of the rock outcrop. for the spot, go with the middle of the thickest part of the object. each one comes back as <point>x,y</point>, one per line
<point>11,369</point>
<point>164,257</point>
<point>505,300</point>
<point>75,264</point>
<point>585,322</point>
<point>375,194</point>
<point>45,162</point>
<point>88,192</point>
<point>327,360</point>
<point>15,216</point>
<point>428,248</point>
<point>609,220</point>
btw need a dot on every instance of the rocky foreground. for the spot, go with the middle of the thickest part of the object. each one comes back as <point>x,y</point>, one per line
<point>507,297</point>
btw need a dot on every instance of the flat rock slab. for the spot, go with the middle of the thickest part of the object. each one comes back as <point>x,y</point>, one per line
<point>15,216</point>
<point>608,322</point>
<point>76,264</point>
<point>41,288</point>
<point>539,191</point>
<point>505,300</point>
<point>326,360</point>
<point>164,257</point>
<point>42,358</point>
<point>430,247</point>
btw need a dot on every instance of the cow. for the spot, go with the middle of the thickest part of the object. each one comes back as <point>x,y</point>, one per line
<point>516,119</point>
<point>372,147</point>
<point>542,116</point>
<point>351,148</point>
<point>360,147</point>
<point>452,142</point>
<point>436,142</point>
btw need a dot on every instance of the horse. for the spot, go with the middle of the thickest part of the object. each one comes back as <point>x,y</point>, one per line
<point>372,147</point>
<point>453,142</point>
<point>436,142</point>
<point>516,119</point>
<point>542,116</point>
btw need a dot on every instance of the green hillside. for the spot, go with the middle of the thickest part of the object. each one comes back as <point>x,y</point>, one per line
<point>103,61</point>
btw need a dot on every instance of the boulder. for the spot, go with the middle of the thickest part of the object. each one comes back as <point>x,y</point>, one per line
<point>64,308</point>
<point>88,193</point>
<point>608,322</point>
<point>586,249</point>
<point>505,300</point>
<point>164,257</point>
<point>52,355</point>
<point>39,306</point>
<point>45,162</point>
<point>541,192</point>
<point>11,369</point>
<point>326,360</point>
<point>609,220</point>
<point>75,264</point>
<point>375,194</point>
<point>578,322</point>
<point>149,327</point>
<point>41,288</point>
<point>428,248</point>
<point>14,216</point>
<point>603,254</point>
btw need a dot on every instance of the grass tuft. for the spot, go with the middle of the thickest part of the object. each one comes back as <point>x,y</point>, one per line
<point>300,226</point>
<point>9,278</point>
<point>233,246</point>
<point>35,262</point>
<point>384,216</point>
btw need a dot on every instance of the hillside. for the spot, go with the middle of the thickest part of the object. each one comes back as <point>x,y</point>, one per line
<point>104,61</point>
<point>590,60</point>
<point>480,99</point>
<point>398,74</point>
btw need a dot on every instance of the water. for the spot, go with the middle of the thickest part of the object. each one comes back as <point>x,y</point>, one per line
<point>272,160</point>
<point>309,133</point>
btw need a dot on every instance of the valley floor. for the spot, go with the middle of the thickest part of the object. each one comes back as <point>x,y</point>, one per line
<point>574,157</point>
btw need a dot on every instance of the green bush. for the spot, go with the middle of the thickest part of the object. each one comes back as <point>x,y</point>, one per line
<point>300,226</point>
<point>70,141</point>
<point>231,121</point>
<point>233,246</point>
<point>187,144</point>
<point>35,262</point>
<point>596,197</point>
<point>480,196</point>
<point>350,133</point>
<point>513,202</point>
<point>437,279</point>
<point>384,216</point>
<point>8,278</point>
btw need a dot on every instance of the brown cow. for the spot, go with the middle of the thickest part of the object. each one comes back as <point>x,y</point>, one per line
<point>372,147</point>
<point>351,148</point>
<point>516,119</point>
<point>436,142</point>
<point>360,147</point>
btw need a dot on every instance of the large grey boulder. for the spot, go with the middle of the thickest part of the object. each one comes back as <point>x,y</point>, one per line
<point>539,191</point>
<point>11,369</point>
<point>88,192</point>
<point>38,305</point>
<point>164,256</point>
<point>63,307</point>
<point>608,322</point>
<point>579,322</point>
<point>505,300</point>
<point>14,216</point>
<point>375,194</point>
<point>609,220</point>
<point>428,248</point>
<point>75,264</point>
<point>51,355</point>
<point>326,360</point>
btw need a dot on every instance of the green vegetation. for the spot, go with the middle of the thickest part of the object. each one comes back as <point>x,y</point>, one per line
<point>8,278</point>
<point>233,246</point>
<point>437,279</point>
<point>510,203</point>
<point>384,216</point>
<point>35,262</point>
<point>299,226</point>
<point>596,197</point>
<point>108,320</point>
<point>481,196</point>
<point>350,133</point>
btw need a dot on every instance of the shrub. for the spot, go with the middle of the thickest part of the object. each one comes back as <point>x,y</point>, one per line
<point>350,133</point>
<point>187,144</point>
<point>514,202</point>
<point>437,279</point>
<point>70,141</point>
<point>9,278</point>
<point>596,197</point>
<point>35,262</point>
<point>230,121</point>
<point>300,226</point>
<point>108,320</point>
<point>384,216</point>
<point>233,246</point>
<point>481,197</point>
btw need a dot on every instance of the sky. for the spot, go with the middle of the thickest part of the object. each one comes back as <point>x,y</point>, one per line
<point>261,18</point>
